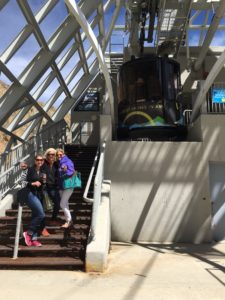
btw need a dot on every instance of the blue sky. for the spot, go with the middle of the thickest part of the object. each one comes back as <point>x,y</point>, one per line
<point>12,21</point>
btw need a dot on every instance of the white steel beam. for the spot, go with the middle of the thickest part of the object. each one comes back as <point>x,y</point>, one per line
<point>41,62</point>
<point>19,117</point>
<point>11,134</point>
<point>81,51</point>
<point>43,85</point>
<point>101,25</point>
<point>31,127</point>
<point>203,27</point>
<point>77,92</point>
<point>210,34</point>
<point>28,120</point>
<point>191,26</point>
<point>83,84</point>
<point>46,8</point>
<point>37,67</point>
<point>217,67</point>
<point>197,5</point>
<point>27,31</point>
<point>183,13</point>
<point>27,95</point>
<point>81,19</point>
<point>16,43</point>
<point>199,27</point>
<point>119,4</point>
<point>195,15</point>
<point>41,40</point>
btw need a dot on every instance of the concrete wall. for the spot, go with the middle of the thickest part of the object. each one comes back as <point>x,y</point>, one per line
<point>160,190</point>
<point>97,250</point>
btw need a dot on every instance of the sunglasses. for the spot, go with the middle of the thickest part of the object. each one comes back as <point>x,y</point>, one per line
<point>51,154</point>
<point>39,159</point>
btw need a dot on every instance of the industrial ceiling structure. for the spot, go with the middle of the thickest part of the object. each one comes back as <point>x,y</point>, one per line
<point>71,40</point>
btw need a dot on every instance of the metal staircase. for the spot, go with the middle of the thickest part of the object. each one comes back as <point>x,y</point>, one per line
<point>114,61</point>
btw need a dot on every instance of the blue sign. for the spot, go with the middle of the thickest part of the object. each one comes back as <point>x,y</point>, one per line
<point>218,95</point>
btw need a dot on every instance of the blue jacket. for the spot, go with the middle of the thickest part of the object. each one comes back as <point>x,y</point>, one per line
<point>65,161</point>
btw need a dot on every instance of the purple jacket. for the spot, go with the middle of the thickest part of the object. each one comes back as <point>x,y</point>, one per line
<point>65,161</point>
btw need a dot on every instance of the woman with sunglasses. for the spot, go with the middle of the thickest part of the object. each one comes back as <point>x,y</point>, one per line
<point>33,181</point>
<point>50,167</point>
<point>66,168</point>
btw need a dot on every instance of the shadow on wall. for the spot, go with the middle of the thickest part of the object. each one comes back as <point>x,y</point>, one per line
<point>160,191</point>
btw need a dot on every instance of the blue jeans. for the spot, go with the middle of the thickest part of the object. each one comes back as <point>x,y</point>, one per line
<point>38,215</point>
<point>53,193</point>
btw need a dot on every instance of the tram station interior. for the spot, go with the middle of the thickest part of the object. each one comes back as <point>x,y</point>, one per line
<point>134,91</point>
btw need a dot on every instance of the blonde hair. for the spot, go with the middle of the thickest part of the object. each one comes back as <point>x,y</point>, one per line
<point>60,150</point>
<point>50,150</point>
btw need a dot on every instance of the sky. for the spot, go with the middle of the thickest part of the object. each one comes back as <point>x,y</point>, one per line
<point>12,21</point>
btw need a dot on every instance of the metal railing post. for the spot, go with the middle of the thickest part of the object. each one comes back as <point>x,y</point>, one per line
<point>18,230</point>
<point>9,160</point>
<point>97,189</point>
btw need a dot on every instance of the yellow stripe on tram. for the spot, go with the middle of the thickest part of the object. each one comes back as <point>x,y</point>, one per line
<point>140,113</point>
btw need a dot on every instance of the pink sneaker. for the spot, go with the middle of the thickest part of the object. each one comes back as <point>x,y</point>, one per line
<point>36,243</point>
<point>27,239</point>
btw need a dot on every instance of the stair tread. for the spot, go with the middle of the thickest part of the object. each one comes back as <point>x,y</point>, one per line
<point>52,237</point>
<point>41,261</point>
<point>48,218</point>
<point>44,247</point>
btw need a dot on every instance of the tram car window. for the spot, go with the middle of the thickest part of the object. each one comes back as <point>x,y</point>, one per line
<point>148,90</point>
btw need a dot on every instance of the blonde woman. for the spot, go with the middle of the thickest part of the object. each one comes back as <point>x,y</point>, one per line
<point>66,169</point>
<point>52,182</point>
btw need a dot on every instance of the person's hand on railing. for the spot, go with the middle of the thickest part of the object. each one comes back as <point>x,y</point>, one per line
<point>36,183</point>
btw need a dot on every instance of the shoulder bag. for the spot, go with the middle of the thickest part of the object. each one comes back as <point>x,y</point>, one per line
<point>72,182</point>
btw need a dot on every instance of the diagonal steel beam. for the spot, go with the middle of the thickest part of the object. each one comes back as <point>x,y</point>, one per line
<point>210,34</point>
<point>28,120</point>
<point>81,19</point>
<point>203,28</point>
<point>217,67</point>
<point>27,31</point>
<point>81,51</point>
<point>26,94</point>
<point>31,127</point>
<point>86,80</point>
<point>77,92</point>
<point>16,43</point>
<point>11,134</point>
<point>86,28</point>
<point>18,118</point>
<point>41,62</point>
<point>101,24</point>
<point>25,8</point>
<point>44,11</point>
